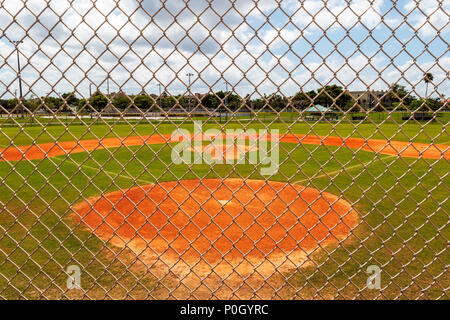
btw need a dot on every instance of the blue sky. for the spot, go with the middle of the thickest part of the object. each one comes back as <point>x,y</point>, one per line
<point>256,48</point>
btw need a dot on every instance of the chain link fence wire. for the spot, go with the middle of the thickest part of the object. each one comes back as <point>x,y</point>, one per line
<point>224,149</point>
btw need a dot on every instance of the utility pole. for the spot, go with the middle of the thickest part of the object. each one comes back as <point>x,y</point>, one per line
<point>226,94</point>
<point>189,75</point>
<point>371,99</point>
<point>16,44</point>
<point>226,101</point>
<point>159,98</point>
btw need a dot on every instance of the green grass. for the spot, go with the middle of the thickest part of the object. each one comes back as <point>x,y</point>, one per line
<point>432,132</point>
<point>402,204</point>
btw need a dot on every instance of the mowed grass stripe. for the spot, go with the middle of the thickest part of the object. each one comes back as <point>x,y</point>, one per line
<point>101,170</point>
<point>346,169</point>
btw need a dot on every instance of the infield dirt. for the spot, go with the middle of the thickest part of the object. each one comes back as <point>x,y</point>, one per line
<point>212,227</point>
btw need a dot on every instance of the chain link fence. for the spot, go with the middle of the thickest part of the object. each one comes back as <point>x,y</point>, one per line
<point>224,149</point>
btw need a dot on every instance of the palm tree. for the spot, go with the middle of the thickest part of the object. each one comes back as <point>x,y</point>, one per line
<point>428,77</point>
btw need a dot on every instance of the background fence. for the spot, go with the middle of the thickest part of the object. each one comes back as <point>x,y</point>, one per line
<point>315,136</point>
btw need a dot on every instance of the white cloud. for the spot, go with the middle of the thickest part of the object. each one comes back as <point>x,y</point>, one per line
<point>429,16</point>
<point>146,43</point>
<point>335,13</point>
<point>278,37</point>
<point>411,74</point>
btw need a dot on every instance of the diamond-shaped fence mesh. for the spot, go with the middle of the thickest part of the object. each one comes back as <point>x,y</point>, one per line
<point>224,149</point>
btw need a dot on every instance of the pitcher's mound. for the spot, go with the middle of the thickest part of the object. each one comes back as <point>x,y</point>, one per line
<point>216,220</point>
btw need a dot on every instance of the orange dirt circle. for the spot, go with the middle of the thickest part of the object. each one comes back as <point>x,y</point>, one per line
<point>215,219</point>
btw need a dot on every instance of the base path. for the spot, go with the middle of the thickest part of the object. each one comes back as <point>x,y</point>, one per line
<point>224,151</point>
<point>217,221</point>
<point>392,147</point>
<point>396,148</point>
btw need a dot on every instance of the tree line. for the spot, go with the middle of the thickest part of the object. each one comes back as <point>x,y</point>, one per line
<point>333,96</point>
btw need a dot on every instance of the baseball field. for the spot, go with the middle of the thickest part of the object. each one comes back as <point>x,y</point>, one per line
<point>110,199</point>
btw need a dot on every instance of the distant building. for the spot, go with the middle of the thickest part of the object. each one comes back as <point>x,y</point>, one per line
<point>120,93</point>
<point>370,99</point>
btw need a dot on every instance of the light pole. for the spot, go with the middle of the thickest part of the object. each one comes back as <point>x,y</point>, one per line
<point>90,90</point>
<point>16,44</point>
<point>226,94</point>
<point>159,85</point>
<point>107,85</point>
<point>226,100</point>
<point>189,75</point>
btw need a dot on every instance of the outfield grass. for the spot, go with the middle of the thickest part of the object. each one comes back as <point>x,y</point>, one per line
<point>287,116</point>
<point>430,133</point>
<point>403,205</point>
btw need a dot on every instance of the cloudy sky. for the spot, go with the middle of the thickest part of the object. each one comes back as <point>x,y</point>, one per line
<point>257,48</point>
